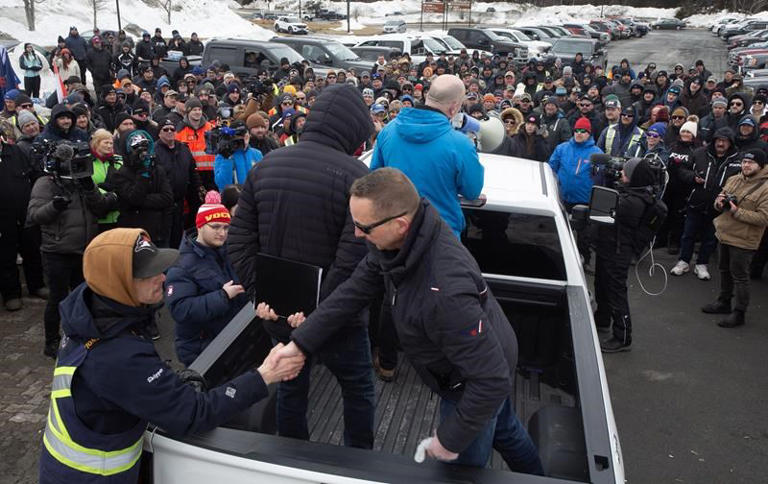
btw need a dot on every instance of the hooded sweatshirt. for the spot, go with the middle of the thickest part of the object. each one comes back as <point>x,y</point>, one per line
<point>439,160</point>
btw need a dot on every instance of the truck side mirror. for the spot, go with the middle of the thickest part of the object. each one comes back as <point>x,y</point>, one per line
<point>579,217</point>
<point>602,205</point>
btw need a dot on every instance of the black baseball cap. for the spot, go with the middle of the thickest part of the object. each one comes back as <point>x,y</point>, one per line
<point>149,260</point>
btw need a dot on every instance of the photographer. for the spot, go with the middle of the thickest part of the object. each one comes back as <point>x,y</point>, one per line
<point>744,206</point>
<point>616,245</point>
<point>143,190</point>
<point>66,204</point>
<point>235,157</point>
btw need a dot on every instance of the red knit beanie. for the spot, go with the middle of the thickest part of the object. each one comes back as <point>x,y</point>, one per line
<point>212,210</point>
<point>583,123</point>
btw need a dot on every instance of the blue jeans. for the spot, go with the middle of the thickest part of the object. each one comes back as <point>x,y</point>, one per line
<point>347,355</point>
<point>506,434</point>
<point>701,225</point>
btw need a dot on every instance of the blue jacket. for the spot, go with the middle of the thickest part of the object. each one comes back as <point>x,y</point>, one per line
<point>570,162</point>
<point>241,162</point>
<point>197,302</point>
<point>440,161</point>
<point>123,382</point>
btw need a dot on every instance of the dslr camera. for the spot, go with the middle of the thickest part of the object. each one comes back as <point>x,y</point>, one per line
<point>225,140</point>
<point>728,199</point>
<point>64,160</point>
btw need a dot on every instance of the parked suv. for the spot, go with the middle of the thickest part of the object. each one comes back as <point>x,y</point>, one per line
<point>248,57</point>
<point>567,48</point>
<point>321,52</point>
<point>291,25</point>
<point>486,39</point>
<point>394,27</point>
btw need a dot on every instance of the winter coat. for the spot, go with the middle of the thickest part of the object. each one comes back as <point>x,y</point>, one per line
<point>108,113</point>
<point>234,169</point>
<point>143,201</point>
<point>440,161</point>
<point>180,169</point>
<point>125,61</point>
<point>715,172</point>
<point>265,145</point>
<point>159,46</point>
<point>102,170</point>
<point>100,64</point>
<point>73,69</point>
<point>68,231</point>
<point>708,125</point>
<point>195,298</point>
<point>697,104</point>
<point>78,46</point>
<point>195,47</point>
<point>570,163</point>
<point>680,161</point>
<point>750,142</point>
<point>618,140</point>
<point>53,132</point>
<point>745,228</point>
<point>123,383</point>
<point>17,176</point>
<point>558,129</point>
<point>31,64</point>
<point>144,50</point>
<point>295,205</point>
<point>449,324</point>
<point>519,147</point>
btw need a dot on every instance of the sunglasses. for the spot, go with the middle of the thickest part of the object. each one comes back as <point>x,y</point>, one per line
<point>627,115</point>
<point>287,103</point>
<point>168,129</point>
<point>367,229</point>
<point>330,77</point>
<point>525,100</point>
<point>678,117</point>
<point>654,135</point>
<point>510,121</point>
<point>585,105</point>
<point>580,130</point>
<point>736,104</point>
<point>29,106</point>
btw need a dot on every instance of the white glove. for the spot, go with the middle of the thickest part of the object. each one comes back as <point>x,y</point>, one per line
<point>421,450</point>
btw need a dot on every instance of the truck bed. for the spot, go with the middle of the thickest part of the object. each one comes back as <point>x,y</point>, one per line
<point>407,411</point>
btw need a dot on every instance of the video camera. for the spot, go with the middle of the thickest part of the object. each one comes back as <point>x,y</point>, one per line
<point>64,160</point>
<point>607,169</point>
<point>225,140</point>
<point>257,87</point>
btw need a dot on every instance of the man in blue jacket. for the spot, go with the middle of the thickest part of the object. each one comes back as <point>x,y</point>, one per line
<point>109,381</point>
<point>439,160</point>
<point>235,168</point>
<point>570,162</point>
<point>202,292</point>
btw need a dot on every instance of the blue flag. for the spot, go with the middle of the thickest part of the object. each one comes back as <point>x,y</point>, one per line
<point>8,78</point>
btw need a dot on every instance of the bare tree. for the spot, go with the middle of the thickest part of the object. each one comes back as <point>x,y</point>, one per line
<point>29,10</point>
<point>166,4</point>
<point>96,5</point>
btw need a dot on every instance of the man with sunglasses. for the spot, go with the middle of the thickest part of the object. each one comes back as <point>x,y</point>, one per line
<point>738,104</point>
<point>450,325</point>
<point>295,206</point>
<point>587,110</point>
<point>624,138</point>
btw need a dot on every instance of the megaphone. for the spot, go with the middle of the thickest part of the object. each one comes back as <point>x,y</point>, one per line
<point>490,134</point>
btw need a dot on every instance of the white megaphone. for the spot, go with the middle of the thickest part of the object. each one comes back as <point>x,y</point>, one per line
<point>490,135</point>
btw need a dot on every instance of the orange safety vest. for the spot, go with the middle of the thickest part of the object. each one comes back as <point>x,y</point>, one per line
<point>195,140</point>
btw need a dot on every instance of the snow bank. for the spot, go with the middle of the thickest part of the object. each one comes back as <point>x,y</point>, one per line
<point>208,18</point>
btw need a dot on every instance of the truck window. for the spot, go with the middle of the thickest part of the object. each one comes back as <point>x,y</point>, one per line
<point>225,55</point>
<point>514,244</point>
<point>417,48</point>
<point>254,59</point>
<point>312,52</point>
<point>475,37</point>
<point>398,44</point>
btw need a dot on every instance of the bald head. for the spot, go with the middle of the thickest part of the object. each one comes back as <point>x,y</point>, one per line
<point>446,94</point>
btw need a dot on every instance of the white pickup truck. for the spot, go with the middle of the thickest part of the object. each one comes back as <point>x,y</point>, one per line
<point>523,243</point>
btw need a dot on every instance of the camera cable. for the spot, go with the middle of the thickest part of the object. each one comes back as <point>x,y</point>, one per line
<point>651,270</point>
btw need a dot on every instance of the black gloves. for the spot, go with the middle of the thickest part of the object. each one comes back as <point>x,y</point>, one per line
<point>61,203</point>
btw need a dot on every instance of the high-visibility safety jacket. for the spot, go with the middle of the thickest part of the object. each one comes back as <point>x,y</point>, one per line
<point>633,146</point>
<point>195,140</point>
<point>74,453</point>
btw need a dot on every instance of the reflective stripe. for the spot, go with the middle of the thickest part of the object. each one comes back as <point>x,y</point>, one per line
<point>90,460</point>
<point>65,450</point>
<point>611,134</point>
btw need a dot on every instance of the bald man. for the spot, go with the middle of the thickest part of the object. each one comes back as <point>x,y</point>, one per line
<point>441,162</point>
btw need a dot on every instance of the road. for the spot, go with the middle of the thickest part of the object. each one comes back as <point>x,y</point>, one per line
<point>689,398</point>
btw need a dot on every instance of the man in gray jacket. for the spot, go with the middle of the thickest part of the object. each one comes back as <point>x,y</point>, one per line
<point>67,210</point>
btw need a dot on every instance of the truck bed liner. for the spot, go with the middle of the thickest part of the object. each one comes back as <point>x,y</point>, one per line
<point>407,411</point>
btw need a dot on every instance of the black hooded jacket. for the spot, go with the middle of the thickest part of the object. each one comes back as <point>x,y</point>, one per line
<point>713,170</point>
<point>295,205</point>
<point>450,325</point>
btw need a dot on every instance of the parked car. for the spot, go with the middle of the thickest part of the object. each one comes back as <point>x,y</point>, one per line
<point>589,31</point>
<point>526,250</point>
<point>394,27</point>
<point>371,53</point>
<point>748,39</point>
<point>453,46</point>
<point>537,33</point>
<point>609,29</point>
<point>248,57</point>
<point>327,53</point>
<point>417,46</point>
<point>486,39</point>
<point>744,28</point>
<point>567,48</point>
<point>668,24</point>
<point>291,25</point>
<point>536,48</point>
<point>720,24</point>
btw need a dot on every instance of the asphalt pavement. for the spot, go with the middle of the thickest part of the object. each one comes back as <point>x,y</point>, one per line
<point>689,398</point>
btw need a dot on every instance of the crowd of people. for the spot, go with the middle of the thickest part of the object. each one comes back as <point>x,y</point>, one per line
<point>278,179</point>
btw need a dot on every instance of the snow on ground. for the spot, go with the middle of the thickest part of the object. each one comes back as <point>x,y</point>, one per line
<point>354,24</point>
<point>208,18</point>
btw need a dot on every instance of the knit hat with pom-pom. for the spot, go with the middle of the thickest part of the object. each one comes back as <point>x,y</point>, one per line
<point>212,210</point>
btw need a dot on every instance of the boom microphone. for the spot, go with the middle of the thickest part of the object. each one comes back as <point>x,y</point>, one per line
<point>600,158</point>
<point>64,152</point>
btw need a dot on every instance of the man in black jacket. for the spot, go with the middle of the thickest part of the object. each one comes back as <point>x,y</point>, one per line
<point>179,165</point>
<point>100,64</point>
<point>109,107</point>
<point>294,205</point>
<point>712,165</point>
<point>450,326</point>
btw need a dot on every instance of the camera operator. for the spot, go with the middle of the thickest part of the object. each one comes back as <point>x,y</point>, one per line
<point>615,246</point>
<point>143,190</point>
<point>744,206</point>
<point>17,176</point>
<point>66,205</point>
<point>235,157</point>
